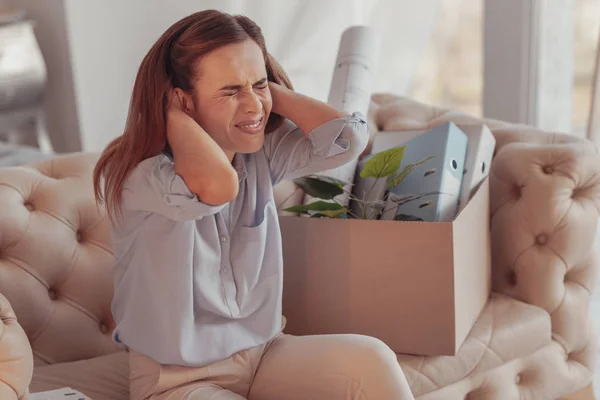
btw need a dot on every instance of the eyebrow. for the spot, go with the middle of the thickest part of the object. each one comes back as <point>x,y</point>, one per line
<point>237,87</point>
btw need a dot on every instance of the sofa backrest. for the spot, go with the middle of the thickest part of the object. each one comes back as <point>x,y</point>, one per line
<point>55,258</point>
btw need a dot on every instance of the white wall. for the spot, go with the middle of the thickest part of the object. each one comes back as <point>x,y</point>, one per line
<point>107,40</point>
<point>107,47</point>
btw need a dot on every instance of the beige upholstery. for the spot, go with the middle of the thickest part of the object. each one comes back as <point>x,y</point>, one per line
<point>533,339</point>
<point>16,361</point>
<point>491,343</point>
<point>55,258</point>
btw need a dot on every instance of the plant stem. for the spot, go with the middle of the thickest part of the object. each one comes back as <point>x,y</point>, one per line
<point>368,196</point>
<point>371,189</point>
<point>352,214</point>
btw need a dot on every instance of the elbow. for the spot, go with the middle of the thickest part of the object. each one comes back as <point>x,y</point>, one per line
<point>219,188</point>
<point>357,134</point>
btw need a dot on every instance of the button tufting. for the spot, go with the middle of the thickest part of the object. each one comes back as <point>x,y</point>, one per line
<point>516,191</point>
<point>512,278</point>
<point>475,394</point>
<point>548,169</point>
<point>103,328</point>
<point>541,239</point>
<point>518,379</point>
<point>52,294</point>
<point>78,236</point>
<point>29,206</point>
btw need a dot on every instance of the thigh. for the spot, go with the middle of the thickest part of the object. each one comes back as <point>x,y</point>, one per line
<point>335,367</point>
<point>226,379</point>
<point>198,391</point>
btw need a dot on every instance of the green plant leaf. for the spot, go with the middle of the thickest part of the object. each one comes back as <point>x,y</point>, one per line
<point>321,187</point>
<point>395,179</point>
<point>383,164</point>
<point>334,213</point>
<point>334,181</point>
<point>316,206</point>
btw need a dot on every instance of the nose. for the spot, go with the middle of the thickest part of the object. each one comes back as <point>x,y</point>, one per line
<point>252,103</point>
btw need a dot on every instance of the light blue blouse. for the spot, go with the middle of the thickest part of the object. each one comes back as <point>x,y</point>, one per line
<point>193,283</point>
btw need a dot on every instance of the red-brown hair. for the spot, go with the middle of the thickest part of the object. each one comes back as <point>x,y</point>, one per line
<point>169,64</point>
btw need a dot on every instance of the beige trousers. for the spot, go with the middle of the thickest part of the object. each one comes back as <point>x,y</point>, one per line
<point>325,367</point>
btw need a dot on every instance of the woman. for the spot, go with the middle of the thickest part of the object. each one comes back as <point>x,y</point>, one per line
<point>213,125</point>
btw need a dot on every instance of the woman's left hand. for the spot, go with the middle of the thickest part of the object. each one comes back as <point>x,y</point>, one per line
<point>276,90</point>
<point>307,113</point>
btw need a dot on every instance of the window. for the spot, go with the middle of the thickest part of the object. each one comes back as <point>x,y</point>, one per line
<point>451,72</point>
<point>587,26</point>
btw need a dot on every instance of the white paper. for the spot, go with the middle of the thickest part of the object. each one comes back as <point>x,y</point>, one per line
<point>59,394</point>
<point>351,88</point>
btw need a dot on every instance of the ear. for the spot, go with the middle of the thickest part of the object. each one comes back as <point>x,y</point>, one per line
<point>185,101</point>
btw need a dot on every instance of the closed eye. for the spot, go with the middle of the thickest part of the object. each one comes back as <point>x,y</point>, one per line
<point>230,94</point>
<point>261,84</point>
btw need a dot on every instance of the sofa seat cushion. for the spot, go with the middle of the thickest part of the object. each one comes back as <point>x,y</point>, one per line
<point>101,378</point>
<point>507,329</point>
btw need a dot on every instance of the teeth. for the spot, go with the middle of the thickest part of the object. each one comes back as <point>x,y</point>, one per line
<point>254,125</point>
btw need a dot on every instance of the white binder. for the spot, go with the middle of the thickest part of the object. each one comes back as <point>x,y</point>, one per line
<point>480,151</point>
<point>441,176</point>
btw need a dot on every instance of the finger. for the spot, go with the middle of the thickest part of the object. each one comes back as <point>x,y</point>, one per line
<point>173,99</point>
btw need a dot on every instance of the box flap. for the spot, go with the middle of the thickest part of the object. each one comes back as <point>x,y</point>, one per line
<point>472,260</point>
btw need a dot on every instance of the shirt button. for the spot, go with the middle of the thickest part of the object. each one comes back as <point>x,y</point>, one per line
<point>225,269</point>
<point>223,238</point>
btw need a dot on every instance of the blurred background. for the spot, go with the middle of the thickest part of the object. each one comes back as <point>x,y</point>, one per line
<point>522,61</point>
<point>67,66</point>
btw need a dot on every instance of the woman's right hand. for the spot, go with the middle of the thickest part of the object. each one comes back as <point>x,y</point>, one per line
<point>199,160</point>
<point>177,119</point>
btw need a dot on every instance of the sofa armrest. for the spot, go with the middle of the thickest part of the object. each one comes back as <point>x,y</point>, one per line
<point>16,357</point>
<point>545,202</point>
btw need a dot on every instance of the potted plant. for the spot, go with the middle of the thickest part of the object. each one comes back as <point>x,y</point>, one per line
<point>384,165</point>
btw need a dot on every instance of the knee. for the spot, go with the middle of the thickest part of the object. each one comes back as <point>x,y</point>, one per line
<point>372,352</point>
<point>372,365</point>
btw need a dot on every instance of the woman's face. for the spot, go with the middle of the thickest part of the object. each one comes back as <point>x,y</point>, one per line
<point>232,101</point>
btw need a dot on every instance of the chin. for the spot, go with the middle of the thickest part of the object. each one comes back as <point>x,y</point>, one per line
<point>253,146</point>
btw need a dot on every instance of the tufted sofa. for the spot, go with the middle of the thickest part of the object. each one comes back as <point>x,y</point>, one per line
<point>533,340</point>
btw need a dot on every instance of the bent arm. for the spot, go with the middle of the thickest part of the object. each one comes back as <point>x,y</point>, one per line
<point>198,181</point>
<point>315,137</point>
<point>305,112</point>
<point>199,161</point>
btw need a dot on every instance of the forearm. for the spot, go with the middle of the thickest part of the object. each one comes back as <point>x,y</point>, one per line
<point>332,137</point>
<point>307,113</point>
<point>200,161</point>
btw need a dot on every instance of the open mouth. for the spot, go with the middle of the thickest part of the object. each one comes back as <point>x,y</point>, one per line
<point>251,125</point>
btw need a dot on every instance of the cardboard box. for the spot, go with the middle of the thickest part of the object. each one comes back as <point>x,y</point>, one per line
<point>417,286</point>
